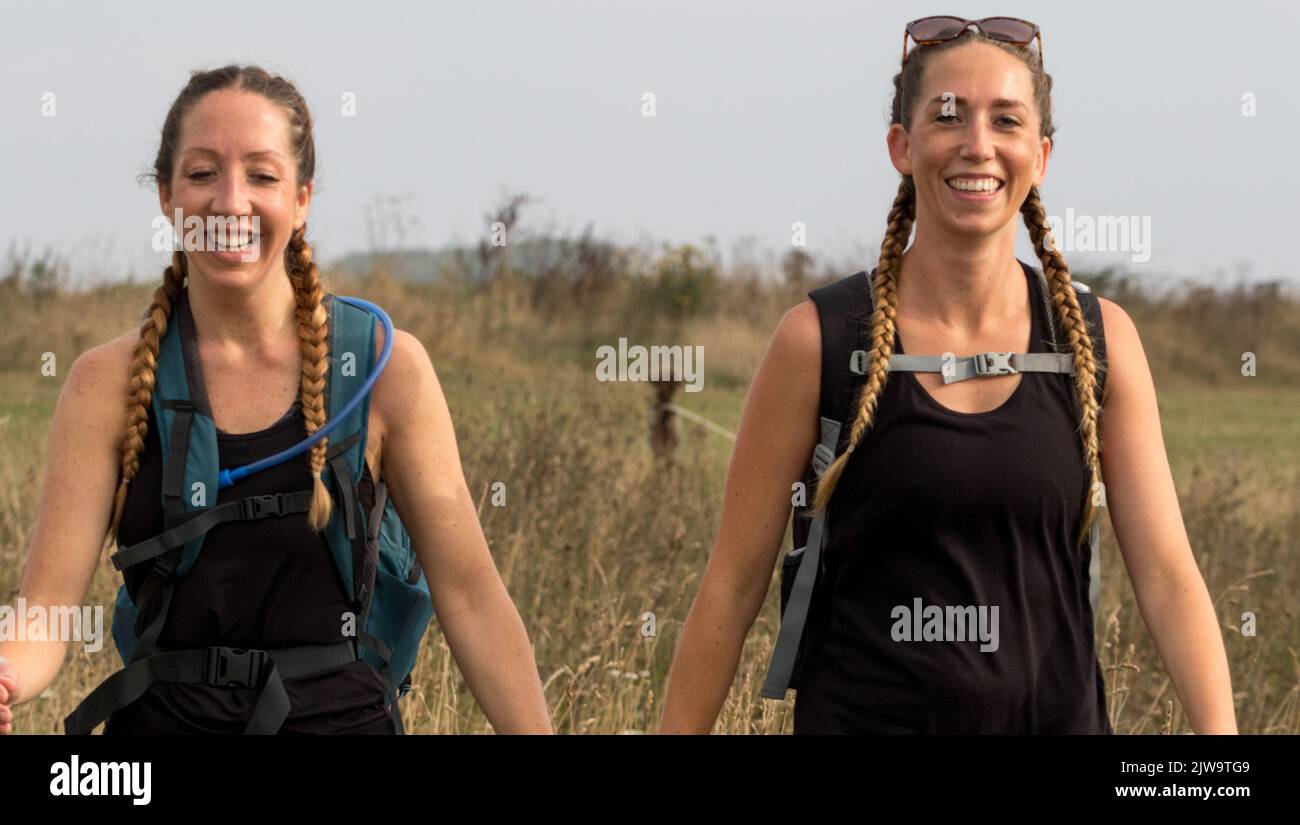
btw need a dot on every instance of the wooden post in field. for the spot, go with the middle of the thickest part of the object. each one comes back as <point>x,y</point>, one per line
<point>663,421</point>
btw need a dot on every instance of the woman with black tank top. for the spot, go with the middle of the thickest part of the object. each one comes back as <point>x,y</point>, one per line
<point>238,143</point>
<point>951,497</point>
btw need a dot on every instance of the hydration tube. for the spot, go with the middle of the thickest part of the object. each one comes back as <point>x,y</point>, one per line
<point>229,477</point>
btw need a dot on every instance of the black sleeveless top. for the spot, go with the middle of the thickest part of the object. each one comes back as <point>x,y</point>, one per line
<point>958,509</point>
<point>262,584</point>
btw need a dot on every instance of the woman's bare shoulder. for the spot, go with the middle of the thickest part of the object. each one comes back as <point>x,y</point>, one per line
<point>111,360</point>
<point>798,338</point>
<point>786,388</point>
<point>100,376</point>
<point>1125,357</point>
<point>396,392</point>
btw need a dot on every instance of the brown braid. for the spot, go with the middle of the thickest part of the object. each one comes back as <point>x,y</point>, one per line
<point>313,331</point>
<point>883,325</point>
<point>1086,366</point>
<point>139,391</point>
<point>907,88</point>
<point>312,326</point>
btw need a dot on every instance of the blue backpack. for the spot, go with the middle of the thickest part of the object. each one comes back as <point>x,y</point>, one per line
<point>371,550</point>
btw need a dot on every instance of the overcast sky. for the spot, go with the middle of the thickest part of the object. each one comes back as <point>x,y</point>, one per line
<point>766,113</point>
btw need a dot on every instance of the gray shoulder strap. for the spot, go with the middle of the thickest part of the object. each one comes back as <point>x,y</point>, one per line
<point>796,610</point>
<point>1094,565</point>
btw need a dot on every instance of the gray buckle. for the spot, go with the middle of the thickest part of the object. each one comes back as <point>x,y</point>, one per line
<point>994,363</point>
<point>823,458</point>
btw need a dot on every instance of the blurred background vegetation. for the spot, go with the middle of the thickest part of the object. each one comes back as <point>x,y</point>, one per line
<point>598,531</point>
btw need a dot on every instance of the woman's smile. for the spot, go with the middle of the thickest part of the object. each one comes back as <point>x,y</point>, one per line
<point>975,189</point>
<point>235,248</point>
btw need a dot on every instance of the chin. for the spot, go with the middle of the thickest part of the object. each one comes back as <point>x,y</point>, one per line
<point>976,228</point>
<point>220,273</point>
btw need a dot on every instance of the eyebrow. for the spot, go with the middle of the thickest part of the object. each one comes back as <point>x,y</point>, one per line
<point>999,103</point>
<point>203,150</point>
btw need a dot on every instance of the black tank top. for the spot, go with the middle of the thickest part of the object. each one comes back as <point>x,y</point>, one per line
<point>262,584</point>
<point>958,509</point>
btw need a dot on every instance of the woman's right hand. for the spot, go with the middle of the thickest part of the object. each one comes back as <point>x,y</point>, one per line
<point>8,691</point>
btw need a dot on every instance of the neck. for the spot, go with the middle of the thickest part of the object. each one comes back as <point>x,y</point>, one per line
<point>259,317</point>
<point>966,284</point>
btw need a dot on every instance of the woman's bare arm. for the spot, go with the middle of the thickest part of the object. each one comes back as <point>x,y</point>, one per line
<point>422,464</point>
<point>81,471</point>
<point>1143,505</point>
<point>778,431</point>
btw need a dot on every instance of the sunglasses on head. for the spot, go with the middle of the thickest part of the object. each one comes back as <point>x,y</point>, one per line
<point>930,30</point>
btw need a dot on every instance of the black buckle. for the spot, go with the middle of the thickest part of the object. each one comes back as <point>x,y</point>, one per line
<point>994,363</point>
<point>255,507</point>
<point>235,666</point>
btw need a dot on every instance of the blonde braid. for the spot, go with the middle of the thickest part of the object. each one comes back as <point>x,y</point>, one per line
<point>883,326</point>
<point>313,331</point>
<point>1073,324</point>
<point>139,393</point>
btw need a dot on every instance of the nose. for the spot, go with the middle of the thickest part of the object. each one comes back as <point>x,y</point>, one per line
<point>978,143</point>
<point>230,196</point>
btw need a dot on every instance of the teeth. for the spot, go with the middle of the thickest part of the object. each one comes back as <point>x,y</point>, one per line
<point>975,184</point>
<point>229,244</point>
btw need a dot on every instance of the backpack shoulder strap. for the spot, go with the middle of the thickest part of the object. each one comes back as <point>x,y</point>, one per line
<point>843,309</point>
<point>186,431</point>
<point>391,613</point>
<point>1091,308</point>
<point>352,351</point>
<point>844,312</point>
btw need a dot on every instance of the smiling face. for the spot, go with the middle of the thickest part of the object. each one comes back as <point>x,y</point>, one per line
<point>974,160</point>
<point>235,160</point>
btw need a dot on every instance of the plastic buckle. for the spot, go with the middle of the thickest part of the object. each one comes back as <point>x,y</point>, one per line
<point>235,666</point>
<point>255,507</point>
<point>994,363</point>
<point>823,458</point>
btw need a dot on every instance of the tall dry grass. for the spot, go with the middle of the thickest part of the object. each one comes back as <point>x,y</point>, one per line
<point>599,541</point>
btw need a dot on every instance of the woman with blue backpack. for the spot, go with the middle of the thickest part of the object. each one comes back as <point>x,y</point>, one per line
<point>249,449</point>
<point>946,573</point>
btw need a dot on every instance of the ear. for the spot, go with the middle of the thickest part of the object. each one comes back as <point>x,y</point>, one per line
<point>165,198</point>
<point>301,204</point>
<point>1044,152</point>
<point>899,148</point>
